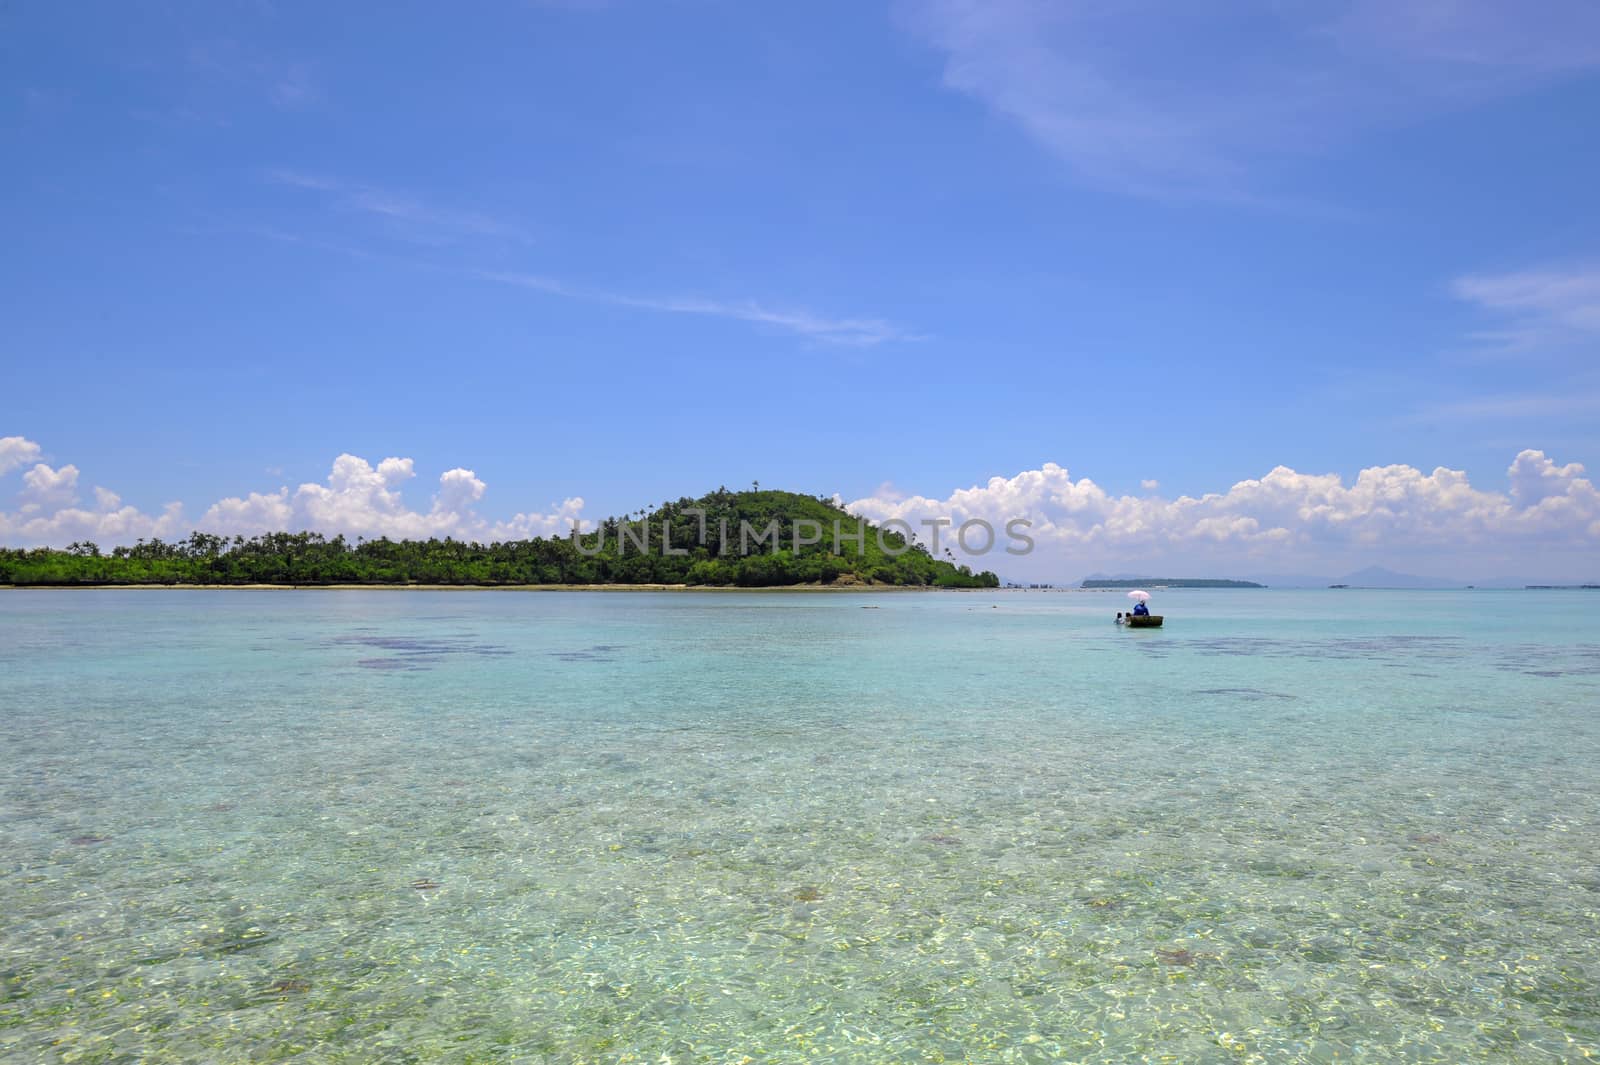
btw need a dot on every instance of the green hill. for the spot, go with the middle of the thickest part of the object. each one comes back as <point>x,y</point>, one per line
<point>754,539</point>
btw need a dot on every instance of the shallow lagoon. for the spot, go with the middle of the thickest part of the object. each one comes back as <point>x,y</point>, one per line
<point>505,827</point>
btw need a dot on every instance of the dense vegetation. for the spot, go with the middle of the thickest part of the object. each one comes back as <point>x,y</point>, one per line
<point>747,539</point>
<point>1168,582</point>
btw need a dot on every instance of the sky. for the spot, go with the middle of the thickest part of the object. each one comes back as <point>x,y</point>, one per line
<point>1276,287</point>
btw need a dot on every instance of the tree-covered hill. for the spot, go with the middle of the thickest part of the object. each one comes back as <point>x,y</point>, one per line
<point>750,539</point>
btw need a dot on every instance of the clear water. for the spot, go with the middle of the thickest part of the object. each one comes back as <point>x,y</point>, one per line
<point>505,827</point>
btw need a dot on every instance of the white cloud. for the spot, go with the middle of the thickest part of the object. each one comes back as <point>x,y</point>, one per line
<point>559,522</point>
<point>1171,99</point>
<point>49,510</point>
<point>1535,478</point>
<point>1285,517</point>
<point>43,486</point>
<point>359,499</point>
<point>1149,484</point>
<point>122,525</point>
<point>458,490</point>
<point>17,451</point>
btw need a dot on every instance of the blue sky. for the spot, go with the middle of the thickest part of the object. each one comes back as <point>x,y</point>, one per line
<point>627,251</point>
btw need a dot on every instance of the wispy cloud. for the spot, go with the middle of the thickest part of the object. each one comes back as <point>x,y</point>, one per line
<point>45,105</point>
<point>427,219</point>
<point>294,88</point>
<point>286,83</point>
<point>1510,407</point>
<point>415,219</point>
<point>1478,45</point>
<point>1547,318</point>
<point>1543,331</point>
<point>860,332</point>
<point>1543,308</point>
<point>1174,100</point>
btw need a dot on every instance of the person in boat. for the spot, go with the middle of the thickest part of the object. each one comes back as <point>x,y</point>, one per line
<point>1140,610</point>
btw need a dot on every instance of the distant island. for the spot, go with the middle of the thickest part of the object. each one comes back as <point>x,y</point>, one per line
<point>1167,582</point>
<point>754,539</point>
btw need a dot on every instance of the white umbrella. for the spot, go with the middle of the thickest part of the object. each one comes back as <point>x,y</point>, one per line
<point>1139,594</point>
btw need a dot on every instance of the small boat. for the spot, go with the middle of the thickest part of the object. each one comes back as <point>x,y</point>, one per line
<point>1143,619</point>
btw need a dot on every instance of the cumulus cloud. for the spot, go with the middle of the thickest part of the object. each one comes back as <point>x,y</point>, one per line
<point>43,486</point>
<point>359,499</point>
<point>560,521</point>
<point>116,525</point>
<point>50,512</point>
<point>1535,479</point>
<point>16,451</point>
<point>1284,517</point>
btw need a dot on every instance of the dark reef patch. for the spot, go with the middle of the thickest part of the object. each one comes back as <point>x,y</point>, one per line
<point>1248,694</point>
<point>416,653</point>
<point>600,652</point>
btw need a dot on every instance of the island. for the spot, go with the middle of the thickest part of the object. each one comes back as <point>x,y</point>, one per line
<point>1167,582</point>
<point>754,539</point>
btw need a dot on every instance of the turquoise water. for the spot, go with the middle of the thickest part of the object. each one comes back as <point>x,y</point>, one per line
<point>506,827</point>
